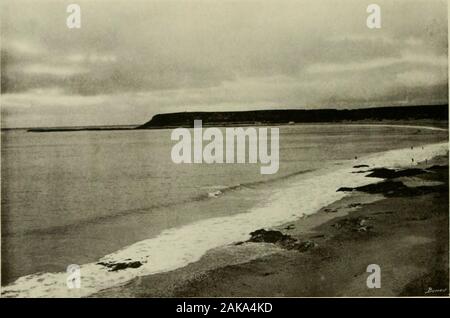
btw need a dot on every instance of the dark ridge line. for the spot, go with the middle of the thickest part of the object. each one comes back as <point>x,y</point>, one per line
<point>292,116</point>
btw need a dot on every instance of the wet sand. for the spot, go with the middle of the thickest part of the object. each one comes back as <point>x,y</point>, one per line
<point>400,223</point>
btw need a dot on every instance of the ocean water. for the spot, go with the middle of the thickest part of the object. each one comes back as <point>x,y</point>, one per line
<point>77,197</point>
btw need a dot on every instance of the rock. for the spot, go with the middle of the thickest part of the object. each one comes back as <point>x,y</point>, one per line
<point>437,167</point>
<point>345,189</point>
<point>385,173</point>
<point>399,189</point>
<point>360,171</point>
<point>120,266</point>
<point>268,236</point>
<point>280,239</point>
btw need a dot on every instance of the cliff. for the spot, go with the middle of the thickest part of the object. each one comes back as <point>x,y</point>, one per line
<point>266,117</point>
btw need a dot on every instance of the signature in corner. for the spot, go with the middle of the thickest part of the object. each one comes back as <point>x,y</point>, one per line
<point>431,290</point>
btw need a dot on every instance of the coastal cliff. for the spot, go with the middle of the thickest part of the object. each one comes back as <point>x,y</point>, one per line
<point>261,117</point>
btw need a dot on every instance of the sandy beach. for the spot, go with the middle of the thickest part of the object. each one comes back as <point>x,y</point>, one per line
<point>399,223</point>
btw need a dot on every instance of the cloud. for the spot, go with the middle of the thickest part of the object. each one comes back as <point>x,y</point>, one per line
<point>422,78</point>
<point>57,71</point>
<point>157,56</point>
<point>412,59</point>
<point>24,48</point>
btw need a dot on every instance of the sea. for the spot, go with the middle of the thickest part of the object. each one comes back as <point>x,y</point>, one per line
<point>92,198</point>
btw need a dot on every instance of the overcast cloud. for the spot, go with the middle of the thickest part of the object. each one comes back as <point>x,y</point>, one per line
<point>133,59</point>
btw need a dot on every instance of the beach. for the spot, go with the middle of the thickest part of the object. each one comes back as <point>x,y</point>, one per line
<point>400,224</point>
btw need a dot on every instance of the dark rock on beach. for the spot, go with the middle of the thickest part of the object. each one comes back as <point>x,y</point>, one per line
<point>345,189</point>
<point>385,173</point>
<point>437,168</point>
<point>361,166</point>
<point>393,185</point>
<point>269,236</point>
<point>391,188</point>
<point>120,266</point>
<point>280,239</point>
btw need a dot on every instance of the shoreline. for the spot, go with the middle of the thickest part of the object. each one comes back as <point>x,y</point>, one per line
<point>326,253</point>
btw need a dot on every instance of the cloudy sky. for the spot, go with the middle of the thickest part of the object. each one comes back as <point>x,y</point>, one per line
<point>132,59</point>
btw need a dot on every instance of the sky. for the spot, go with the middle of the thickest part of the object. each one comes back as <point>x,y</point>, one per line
<point>133,59</point>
